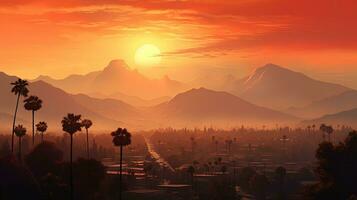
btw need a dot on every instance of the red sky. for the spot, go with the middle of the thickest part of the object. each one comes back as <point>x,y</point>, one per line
<point>58,38</point>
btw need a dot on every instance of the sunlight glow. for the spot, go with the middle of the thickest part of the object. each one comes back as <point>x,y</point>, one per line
<point>148,55</point>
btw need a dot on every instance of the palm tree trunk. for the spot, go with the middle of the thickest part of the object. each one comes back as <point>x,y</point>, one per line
<point>87,144</point>
<point>20,160</point>
<point>41,137</point>
<point>71,168</point>
<point>13,124</point>
<point>121,172</point>
<point>33,127</point>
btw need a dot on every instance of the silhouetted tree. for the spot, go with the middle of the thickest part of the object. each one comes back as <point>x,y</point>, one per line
<point>280,174</point>
<point>336,170</point>
<point>53,187</point>
<point>245,175</point>
<point>259,186</point>
<point>71,124</point>
<point>33,103</point>
<point>121,138</point>
<point>192,139</point>
<point>5,148</point>
<point>329,130</point>
<point>17,181</point>
<point>216,143</point>
<point>20,89</point>
<point>42,128</point>
<point>323,130</point>
<point>86,123</point>
<point>191,171</point>
<point>88,184</point>
<point>20,131</point>
<point>326,130</point>
<point>44,159</point>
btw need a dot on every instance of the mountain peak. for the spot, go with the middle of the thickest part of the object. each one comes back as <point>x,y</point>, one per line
<point>270,67</point>
<point>43,77</point>
<point>116,65</point>
<point>199,90</point>
<point>200,94</point>
<point>270,71</point>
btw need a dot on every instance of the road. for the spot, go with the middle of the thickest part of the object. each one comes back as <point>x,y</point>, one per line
<point>157,156</point>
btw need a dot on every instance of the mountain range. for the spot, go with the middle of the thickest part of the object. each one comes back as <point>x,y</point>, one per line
<point>57,103</point>
<point>346,118</point>
<point>202,106</point>
<point>334,104</point>
<point>117,78</point>
<point>274,87</point>
<point>280,88</point>
<point>269,95</point>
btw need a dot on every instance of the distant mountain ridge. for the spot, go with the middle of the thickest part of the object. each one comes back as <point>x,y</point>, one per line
<point>279,88</point>
<point>56,104</point>
<point>347,118</point>
<point>254,99</point>
<point>117,77</point>
<point>208,106</point>
<point>330,105</point>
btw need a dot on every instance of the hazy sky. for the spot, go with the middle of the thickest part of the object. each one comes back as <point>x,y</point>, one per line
<point>58,38</point>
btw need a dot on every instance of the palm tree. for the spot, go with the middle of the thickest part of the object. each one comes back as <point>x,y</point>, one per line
<point>284,139</point>
<point>323,130</point>
<point>20,131</point>
<point>191,171</point>
<point>229,145</point>
<point>42,128</point>
<point>192,139</point>
<point>86,123</point>
<point>33,103</point>
<point>329,130</point>
<point>121,138</point>
<point>216,143</point>
<point>280,174</point>
<point>71,124</point>
<point>20,89</point>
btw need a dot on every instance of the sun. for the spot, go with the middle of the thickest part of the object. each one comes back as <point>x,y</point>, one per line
<point>148,55</point>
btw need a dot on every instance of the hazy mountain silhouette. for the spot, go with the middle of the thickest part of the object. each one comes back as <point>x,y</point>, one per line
<point>204,106</point>
<point>57,103</point>
<point>280,88</point>
<point>330,105</point>
<point>118,77</point>
<point>132,100</point>
<point>111,108</point>
<point>347,118</point>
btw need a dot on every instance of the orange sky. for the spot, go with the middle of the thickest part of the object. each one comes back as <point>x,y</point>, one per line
<point>58,38</point>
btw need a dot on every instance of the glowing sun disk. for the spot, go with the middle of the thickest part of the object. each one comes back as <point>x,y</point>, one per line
<point>148,55</point>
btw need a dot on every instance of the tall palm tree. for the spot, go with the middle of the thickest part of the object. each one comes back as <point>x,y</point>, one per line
<point>71,124</point>
<point>329,130</point>
<point>121,138</point>
<point>86,123</point>
<point>42,128</point>
<point>192,139</point>
<point>216,143</point>
<point>280,174</point>
<point>323,128</point>
<point>33,104</point>
<point>20,131</point>
<point>229,145</point>
<point>191,171</point>
<point>20,89</point>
